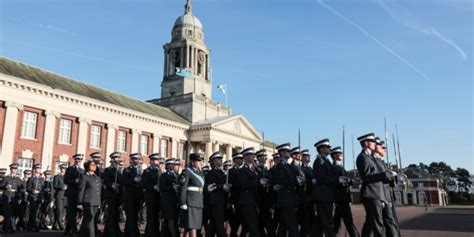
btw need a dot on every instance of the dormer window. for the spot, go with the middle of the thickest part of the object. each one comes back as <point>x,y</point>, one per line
<point>189,32</point>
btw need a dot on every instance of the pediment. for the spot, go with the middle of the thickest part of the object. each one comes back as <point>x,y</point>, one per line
<point>236,124</point>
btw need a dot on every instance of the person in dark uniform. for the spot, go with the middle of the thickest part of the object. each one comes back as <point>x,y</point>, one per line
<point>324,190</point>
<point>59,198</point>
<point>33,187</point>
<point>217,188</point>
<point>276,218</point>
<point>343,196</point>
<point>191,199</point>
<point>371,191</point>
<point>132,193</point>
<point>112,195</point>
<point>169,199</point>
<point>315,227</point>
<point>302,212</point>
<point>285,183</point>
<point>96,157</point>
<point>23,202</point>
<point>151,187</point>
<point>72,177</point>
<point>390,219</point>
<point>233,207</point>
<point>249,182</point>
<point>88,198</point>
<point>10,185</point>
<point>47,201</point>
<point>264,196</point>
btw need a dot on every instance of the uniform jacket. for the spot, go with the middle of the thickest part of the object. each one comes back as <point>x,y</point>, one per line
<point>234,181</point>
<point>150,178</point>
<point>59,187</point>
<point>34,187</point>
<point>132,190</point>
<point>217,196</point>
<point>191,177</point>
<point>285,176</point>
<point>12,192</point>
<point>248,182</point>
<point>343,194</point>
<point>110,176</point>
<point>372,177</point>
<point>326,180</point>
<point>89,190</point>
<point>72,178</point>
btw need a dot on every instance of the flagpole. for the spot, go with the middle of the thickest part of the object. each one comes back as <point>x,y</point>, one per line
<point>343,146</point>
<point>398,147</point>
<point>386,140</point>
<point>353,154</point>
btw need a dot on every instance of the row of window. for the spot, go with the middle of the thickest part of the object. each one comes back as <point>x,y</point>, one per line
<point>65,133</point>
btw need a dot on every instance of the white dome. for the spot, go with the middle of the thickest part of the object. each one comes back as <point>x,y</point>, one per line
<point>188,19</point>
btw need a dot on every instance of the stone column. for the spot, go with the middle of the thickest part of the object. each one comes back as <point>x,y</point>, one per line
<point>156,143</point>
<point>174,148</point>
<point>208,151</point>
<point>135,140</point>
<point>9,130</point>
<point>110,147</point>
<point>228,152</point>
<point>181,64</point>
<point>82,138</point>
<point>48,140</point>
<point>215,147</point>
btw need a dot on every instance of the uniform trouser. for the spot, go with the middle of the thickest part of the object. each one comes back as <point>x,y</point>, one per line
<point>45,211</point>
<point>71,214</point>
<point>326,217</point>
<point>33,218</point>
<point>111,228</point>
<point>216,226</point>
<point>22,210</point>
<point>152,228</point>
<point>288,223</point>
<point>59,213</point>
<point>373,219</point>
<point>265,221</point>
<point>304,219</point>
<point>250,220</point>
<point>343,211</point>
<point>389,220</point>
<point>132,207</point>
<point>10,209</point>
<point>87,226</point>
<point>235,221</point>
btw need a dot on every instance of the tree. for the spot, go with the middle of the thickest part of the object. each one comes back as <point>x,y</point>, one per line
<point>463,180</point>
<point>443,172</point>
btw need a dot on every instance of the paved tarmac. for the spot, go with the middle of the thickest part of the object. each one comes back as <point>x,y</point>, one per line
<point>414,222</point>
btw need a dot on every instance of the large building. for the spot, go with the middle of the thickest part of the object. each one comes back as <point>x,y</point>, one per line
<point>46,118</point>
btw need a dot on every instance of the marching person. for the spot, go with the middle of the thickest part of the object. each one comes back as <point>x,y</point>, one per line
<point>47,202</point>
<point>302,212</point>
<point>88,198</point>
<point>169,199</point>
<point>151,187</point>
<point>371,191</point>
<point>315,228</point>
<point>112,195</point>
<point>324,190</point>
<point>10,185</point>
<point>23,199</point>
<point>72,177</point>
<point>96,157</point>
<point>217,188</point>
<point>33,187</point>
<point>249,182</point>
<point>132,193</point>
<point>285,184</point>
<point>390,219</point>
<point>343,196</point>
<point>264,197</point>
<point>59,198</point>
<point>235,215</point>
<point>191,196</point>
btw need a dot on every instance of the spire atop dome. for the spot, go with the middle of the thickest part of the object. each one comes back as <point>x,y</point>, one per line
<point>188,7</point>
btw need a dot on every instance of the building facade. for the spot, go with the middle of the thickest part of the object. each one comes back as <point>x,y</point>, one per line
<point>46,118</point>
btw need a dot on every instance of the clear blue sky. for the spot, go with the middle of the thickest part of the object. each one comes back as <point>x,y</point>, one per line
<point>289,64</point>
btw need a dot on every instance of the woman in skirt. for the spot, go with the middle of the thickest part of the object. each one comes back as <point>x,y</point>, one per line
<point>191,196</point>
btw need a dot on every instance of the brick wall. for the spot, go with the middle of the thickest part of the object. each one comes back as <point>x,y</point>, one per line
<point>68,149</point>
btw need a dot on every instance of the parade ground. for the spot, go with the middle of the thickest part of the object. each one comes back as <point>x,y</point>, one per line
<point>452,221</point>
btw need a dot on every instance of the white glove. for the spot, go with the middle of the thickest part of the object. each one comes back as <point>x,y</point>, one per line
<point>80,207</point>
<point>137,179</point>
<point>389,174</point>
<point>9,186</point>
<point>176,186</point>
<point>184,207</point>
<point>264,182</point>
<point>343,180</point>
<point>313,181</point>
<point>227,187</point>
<point>77,180</point>
<point>115,186</point>
<point>276,187</point>
<point>51,205</point>
<point>156,187</point>
<point>211,187</point>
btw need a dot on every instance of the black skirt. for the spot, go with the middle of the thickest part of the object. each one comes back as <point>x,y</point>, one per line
<point>191,218</point>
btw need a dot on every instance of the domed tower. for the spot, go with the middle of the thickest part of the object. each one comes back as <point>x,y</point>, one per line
<point>186,87</point>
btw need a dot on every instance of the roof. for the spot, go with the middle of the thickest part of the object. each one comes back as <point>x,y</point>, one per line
<point>43,77</point>
<point>187,19</point>
<point>215,120</point>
